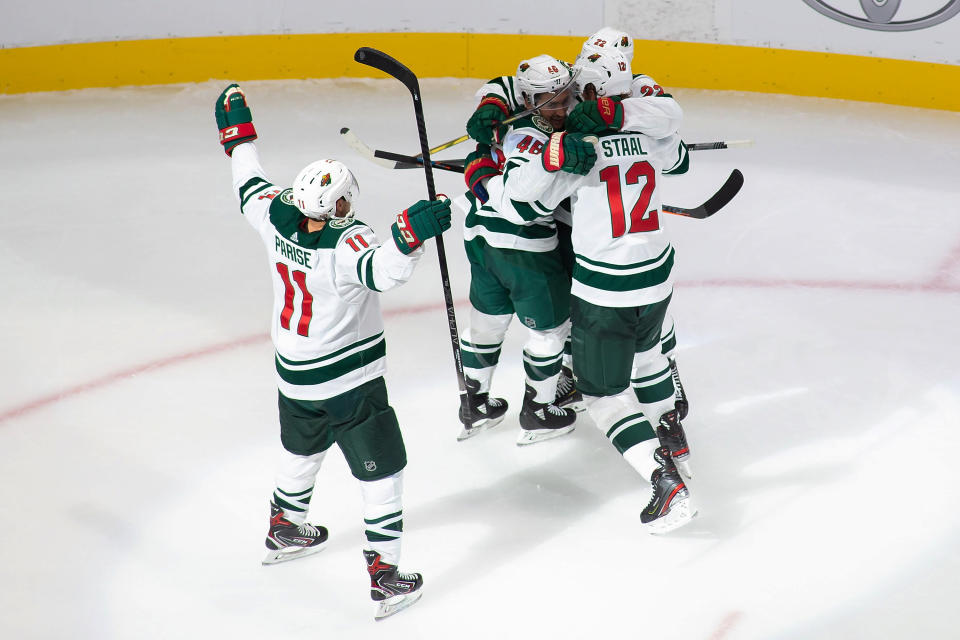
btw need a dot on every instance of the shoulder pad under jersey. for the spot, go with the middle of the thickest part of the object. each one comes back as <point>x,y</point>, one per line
<point>291,224</point>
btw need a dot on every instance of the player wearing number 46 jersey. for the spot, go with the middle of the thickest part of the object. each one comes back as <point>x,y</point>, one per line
<point>327,269</point>
<point>621,286</point>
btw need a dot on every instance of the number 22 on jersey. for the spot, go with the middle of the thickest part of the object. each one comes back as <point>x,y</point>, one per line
<point>641,218</point>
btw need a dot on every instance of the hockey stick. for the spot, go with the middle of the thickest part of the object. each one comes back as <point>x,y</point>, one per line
<point>382,158</point>
<point>390,66</point>
<point>726,193</point>
<point>723,144</point>
<point>390,160</point>
<point>717,201</point>
<point>574,73</point>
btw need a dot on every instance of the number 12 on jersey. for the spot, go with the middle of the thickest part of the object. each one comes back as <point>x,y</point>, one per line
<point>641,219</point>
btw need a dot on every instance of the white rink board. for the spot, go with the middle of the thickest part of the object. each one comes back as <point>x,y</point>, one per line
<point>787,24</point>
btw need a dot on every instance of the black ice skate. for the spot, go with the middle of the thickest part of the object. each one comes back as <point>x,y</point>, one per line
<point>671,435</point>
<point>567,395</point>
<point>669,505</point>
<point>542,421</point>
<point>680,396</point>
<point>485,412</point>
<point>391,590</point>
<point>288,541</point>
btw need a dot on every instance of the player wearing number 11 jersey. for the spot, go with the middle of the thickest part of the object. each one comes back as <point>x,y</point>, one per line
<point>327,270</point>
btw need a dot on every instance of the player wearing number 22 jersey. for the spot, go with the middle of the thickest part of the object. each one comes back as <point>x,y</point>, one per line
<point>621,288</point>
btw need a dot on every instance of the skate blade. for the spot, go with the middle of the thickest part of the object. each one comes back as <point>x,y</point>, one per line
<point>284,555</point>
<point>539,435</point>
<point>681,512</point>
<point>396,604</point>
<point>466,434</point>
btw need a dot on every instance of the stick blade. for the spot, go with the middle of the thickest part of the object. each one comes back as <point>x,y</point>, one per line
<point>717,201</point>
<point>726,193</point>
<point>389,65</point>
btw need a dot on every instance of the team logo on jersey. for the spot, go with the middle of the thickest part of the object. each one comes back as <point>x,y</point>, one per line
<point>880,13</point>
<point>370,465</point>
<point>524,66</point>
<point>530,322</point>
<point>542,123</point>
<point>624,41</point>
<point>594,57</point>
<point>340,223</point>
<point>286,197</point>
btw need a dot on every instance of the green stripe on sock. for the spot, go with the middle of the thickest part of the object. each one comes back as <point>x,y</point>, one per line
<point>382,518</point>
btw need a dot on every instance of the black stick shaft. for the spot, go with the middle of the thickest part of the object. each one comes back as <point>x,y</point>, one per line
<point>393,67</point>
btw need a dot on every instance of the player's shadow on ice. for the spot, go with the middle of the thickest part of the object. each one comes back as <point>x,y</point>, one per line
<point>522,510</point>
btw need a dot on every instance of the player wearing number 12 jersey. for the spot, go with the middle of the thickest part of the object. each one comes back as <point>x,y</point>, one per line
<point>621,287</point>
<point>648,109</point>
<point>327,270</point>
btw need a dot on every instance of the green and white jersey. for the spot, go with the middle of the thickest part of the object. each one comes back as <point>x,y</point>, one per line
<point>623,255</point>
<point>506,88</point>
<point>326,325</point>
<point>521,223</point>
<point>649,110</point>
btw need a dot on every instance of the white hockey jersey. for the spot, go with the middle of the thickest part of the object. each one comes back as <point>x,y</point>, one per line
<point>523,223</point>
<point>326,325</point>
<point>623,256</point>
<point>649,110</point>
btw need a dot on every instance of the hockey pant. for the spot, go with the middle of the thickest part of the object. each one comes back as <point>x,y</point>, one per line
<point>621,419</point>
<point>668,343</point>
<point>480,346</point>
<point>382,501</point>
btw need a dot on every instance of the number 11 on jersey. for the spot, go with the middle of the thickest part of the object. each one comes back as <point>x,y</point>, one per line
<point>306,306</point>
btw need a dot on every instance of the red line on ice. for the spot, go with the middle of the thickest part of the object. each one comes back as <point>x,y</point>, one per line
<point>938,284</point>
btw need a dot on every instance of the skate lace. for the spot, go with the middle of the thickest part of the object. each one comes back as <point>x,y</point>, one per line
<point>307,529</point>
<point>494,402</point>
<point>564,386</point>
<point>555,410</point>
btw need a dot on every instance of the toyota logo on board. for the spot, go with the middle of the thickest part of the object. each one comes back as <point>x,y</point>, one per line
<point>880,13</point>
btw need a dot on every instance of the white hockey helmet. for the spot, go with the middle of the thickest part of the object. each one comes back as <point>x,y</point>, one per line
<point>542,74</point>
<point>607,70</point>
<point>319,186</point>
<point>607,38</point>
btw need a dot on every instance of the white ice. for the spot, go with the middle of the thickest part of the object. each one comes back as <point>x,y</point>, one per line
<point>819,343</point>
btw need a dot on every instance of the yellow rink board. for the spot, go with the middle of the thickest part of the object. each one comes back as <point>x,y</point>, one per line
<point>470,55</point>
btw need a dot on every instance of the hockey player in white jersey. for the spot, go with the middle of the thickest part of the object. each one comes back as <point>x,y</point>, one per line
<point>621,286</point>
<point>517,269</point>
<point>648,109</point>
<point>327,269</point>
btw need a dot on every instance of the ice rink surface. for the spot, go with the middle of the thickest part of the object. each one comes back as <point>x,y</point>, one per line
<point>818,318</point>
